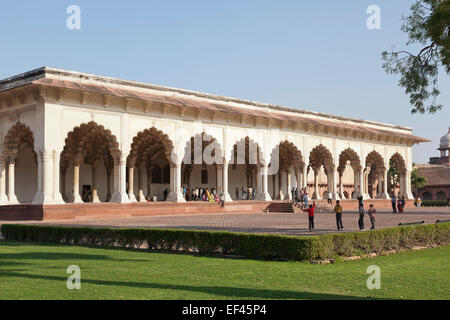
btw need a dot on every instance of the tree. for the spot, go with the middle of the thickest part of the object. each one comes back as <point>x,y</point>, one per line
<point>428,25</point>
<point>417,180</point>
<point>394,176</point>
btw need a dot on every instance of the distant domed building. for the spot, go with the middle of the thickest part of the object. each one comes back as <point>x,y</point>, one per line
<point>437,173</point>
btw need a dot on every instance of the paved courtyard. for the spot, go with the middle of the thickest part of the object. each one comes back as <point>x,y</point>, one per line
<point>291,224</point>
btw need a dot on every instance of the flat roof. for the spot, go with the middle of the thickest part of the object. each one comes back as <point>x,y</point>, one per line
<point>61,78</point>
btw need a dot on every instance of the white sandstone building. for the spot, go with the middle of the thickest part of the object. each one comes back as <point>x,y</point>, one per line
<point>65,135</point>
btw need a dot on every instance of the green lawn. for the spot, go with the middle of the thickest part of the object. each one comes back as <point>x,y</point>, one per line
<point>29,271</point>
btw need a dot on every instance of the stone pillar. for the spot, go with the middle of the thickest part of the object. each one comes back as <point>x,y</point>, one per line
<point>225,182</point>
<point>335,195</point>
<point>265,196</point>
<point>385,194</point>
<point>298,177</point>
<point>76,182</point>
<point>361,183</point>
<point>280,185</point>
<point>305,177</point>
<point>366,183</point>
<point>11,183</point>
<point>57,197</point>
<point>131,195</point>
<point>340,192</point>
<point>141,175</point>
<point>407,178</point>
<point>316,193</point>
<point>3,197</point>
<point>94,167</point>
<point>45,178</point>
<point>175,193</point>
<point>288,184</point>
<point>120,171</point>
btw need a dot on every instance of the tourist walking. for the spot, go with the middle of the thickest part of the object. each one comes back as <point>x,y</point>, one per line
<point>361,218</point>
<point>330,196</point>
<point>237,193</point>
<point>360,201</point>
<point>338,211</point>
<point>222,200</point>
<point>393,202</point>
<point>310,211</point>
<point>371,212</point>
<point>399,205</point>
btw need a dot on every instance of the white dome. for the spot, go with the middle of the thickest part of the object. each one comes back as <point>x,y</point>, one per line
<point>445,141</point>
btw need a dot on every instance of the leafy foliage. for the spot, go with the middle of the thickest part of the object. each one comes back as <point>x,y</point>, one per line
<point>417,180</point>
<point>255,246</point>
<point>428,25</point>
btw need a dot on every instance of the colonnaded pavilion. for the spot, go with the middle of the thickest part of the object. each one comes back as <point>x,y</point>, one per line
<point>66,133</point>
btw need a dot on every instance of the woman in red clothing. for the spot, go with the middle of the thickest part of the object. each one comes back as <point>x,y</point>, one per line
<point>310,211</point>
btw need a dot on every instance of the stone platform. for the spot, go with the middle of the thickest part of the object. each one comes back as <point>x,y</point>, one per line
<point>27,212</point>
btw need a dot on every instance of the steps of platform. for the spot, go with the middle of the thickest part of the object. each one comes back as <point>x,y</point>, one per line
<point>284,207</point>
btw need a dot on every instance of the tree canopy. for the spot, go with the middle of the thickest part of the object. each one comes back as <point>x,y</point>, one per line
<point>427,25</point>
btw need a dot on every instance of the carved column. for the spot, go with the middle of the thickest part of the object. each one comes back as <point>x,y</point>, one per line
<point>316,194</point>
<point>131,195</point>
<point>120,170</point>
<point>3,197</point>
<point>280,185</point>
<point>76,181</point>
<point>225,182</point>
<point>335,173</point>
<point>175,194</point>
<point>141,176</point>
<point>94,167</point>
<point>265,196</point>
<point>288,184</point>
<point>385,194</point>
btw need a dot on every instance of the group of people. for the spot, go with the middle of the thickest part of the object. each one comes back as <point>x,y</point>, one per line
<point>398,204</point>
<point>246,193</point>
<point>301,197</point>
<point>200,194</point>
<point>338,211</point>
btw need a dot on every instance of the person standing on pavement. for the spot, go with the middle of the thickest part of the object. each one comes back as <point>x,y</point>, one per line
<point>361,218</point>
<point>372,213</point>
<point>393,202</point>
<point>338,211</point>
<point>310,211</point>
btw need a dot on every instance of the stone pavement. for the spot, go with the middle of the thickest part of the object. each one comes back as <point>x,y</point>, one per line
<point>275,223</point>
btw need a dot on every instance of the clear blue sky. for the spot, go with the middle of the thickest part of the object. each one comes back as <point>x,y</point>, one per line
<point>314,55</point>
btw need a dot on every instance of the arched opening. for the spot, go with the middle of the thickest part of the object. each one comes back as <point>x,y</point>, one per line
<point>21,165</point>
<point>87,163</point>
<point>321,163</point>
<point>427,196</point>
<point>202,169</point>
<point>244,181</point>
<point>441,195</point>
<point>397,175</point>
<point>373,175</point>
<point>149,166</point>
<point>348,170</point>
<point>289,175</point>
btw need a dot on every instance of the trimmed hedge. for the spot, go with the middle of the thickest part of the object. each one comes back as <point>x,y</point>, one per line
<point>434,203</point>
<point>256,246</point>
